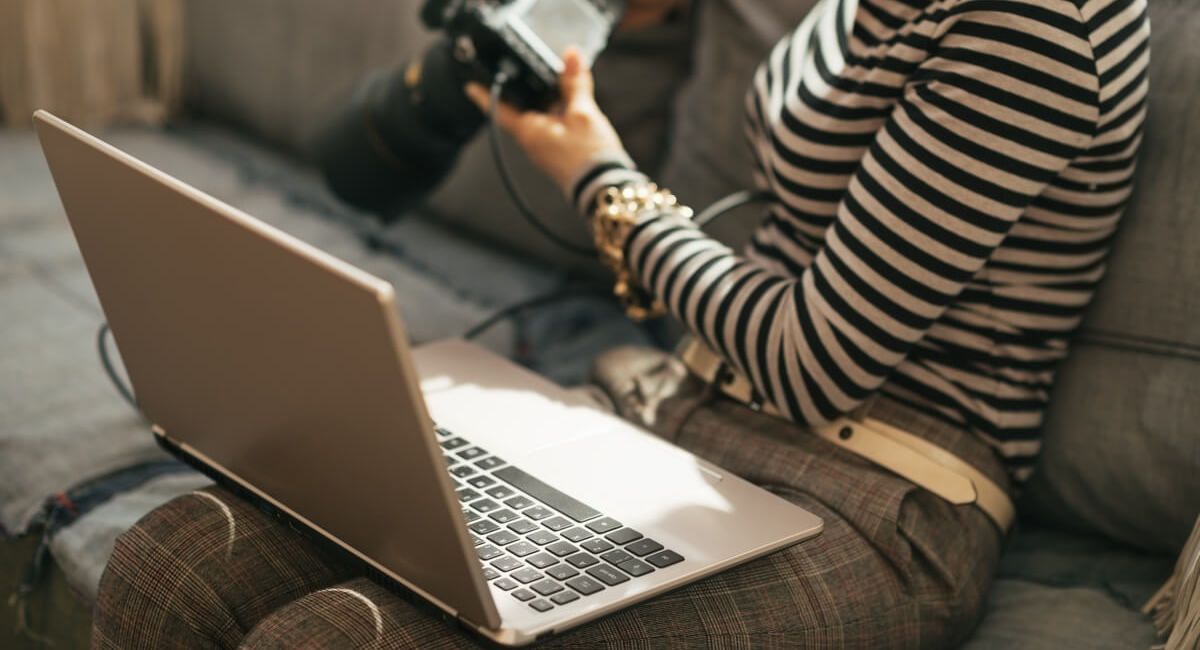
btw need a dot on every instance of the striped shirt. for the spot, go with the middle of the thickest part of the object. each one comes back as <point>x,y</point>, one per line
<point>947,179</point>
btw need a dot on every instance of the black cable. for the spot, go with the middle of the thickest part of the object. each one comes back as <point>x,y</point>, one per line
<point>506,177</point>
<point>110,369</point>
<point>726,204</point>
<point>561,293</point>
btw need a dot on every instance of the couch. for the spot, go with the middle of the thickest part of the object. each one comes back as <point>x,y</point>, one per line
<point>1117,488</point>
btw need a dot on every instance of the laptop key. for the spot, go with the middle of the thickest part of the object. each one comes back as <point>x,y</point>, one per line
<point>491,462</point>
<point>561,548</point>
<point>523,594</point>
<point>484,527</point>
<point>519,502</point>
<point>506,563</point>
<point>490,573</point>
<point>644,547</point>
<point>607,574</point>
<point>596,546</point>
<point>576,534</point>
<point>564,597</point>
<point>541,605</point>
<point>557,523</point>
<point>501,492</point>
<point>442,432</point>
<point>505,583</point>
<point>462,471</point>
<point>623,536</point>
<point>481,481</point>
<point>604,524</point>
<point>541,560</point>
<point>485,505</point>
<point>470,515</point>
<point>466,494</point>
<point>541,537</point>
<point>503,516</point>
<point>546,587</point>
<point>561,572</point>
<point>635,567</point>
<point>451,461</point>
<point>476,541</point>
<point>454,443</point>
<point>522,526</point>
<point>522,548</point>
<point>526,575</point>
<point>664,558</point>
<point>538,512</point>
<point>503,537</point>
<point>550,496</point>
<point>472,452</point>
<point>488,552</point>
<point>582,560</point>
<point>615,556</point>
<point>585,585</point>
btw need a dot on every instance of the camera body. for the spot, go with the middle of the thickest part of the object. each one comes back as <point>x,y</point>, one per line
<point>523,39</point>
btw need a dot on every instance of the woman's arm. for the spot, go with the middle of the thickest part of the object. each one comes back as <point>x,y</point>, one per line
<point>978,133</point>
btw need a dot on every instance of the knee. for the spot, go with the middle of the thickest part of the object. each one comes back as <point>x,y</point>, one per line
<point>355,614</point>
<point>205,568</point>
<point>154,590</point>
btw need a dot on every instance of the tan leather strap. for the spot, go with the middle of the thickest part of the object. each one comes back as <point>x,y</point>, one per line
<point>990,498</point>
<point>910,456</point>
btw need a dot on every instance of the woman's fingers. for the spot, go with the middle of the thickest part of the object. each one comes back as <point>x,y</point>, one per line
<point>576,79</point>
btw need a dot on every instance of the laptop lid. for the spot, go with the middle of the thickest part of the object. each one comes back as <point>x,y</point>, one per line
<point>281,367</point>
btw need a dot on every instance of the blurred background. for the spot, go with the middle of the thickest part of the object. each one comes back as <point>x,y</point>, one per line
<point>92,63</point>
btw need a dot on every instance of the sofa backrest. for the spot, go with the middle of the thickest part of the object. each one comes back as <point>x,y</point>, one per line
<point>1122,453</point>
<point>275,68</point>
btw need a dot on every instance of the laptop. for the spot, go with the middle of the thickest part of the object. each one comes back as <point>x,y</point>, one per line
<point>515,506</point>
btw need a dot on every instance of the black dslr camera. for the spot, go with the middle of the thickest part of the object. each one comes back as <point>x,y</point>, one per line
<point>404,130</point>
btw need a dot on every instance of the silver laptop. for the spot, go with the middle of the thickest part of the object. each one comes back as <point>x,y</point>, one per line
<point>513,505</point>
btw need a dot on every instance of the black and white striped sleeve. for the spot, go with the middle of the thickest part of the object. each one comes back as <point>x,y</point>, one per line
<point>1004,103</point>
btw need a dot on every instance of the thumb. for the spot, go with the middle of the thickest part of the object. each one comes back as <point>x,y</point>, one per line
<point>576,80</point>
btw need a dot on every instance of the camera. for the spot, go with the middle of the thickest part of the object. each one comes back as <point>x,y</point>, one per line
<point>405,127</point>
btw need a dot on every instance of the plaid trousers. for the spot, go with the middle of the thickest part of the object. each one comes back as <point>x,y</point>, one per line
<point>895,567</point>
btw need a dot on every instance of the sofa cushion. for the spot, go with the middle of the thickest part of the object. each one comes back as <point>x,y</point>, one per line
<point>1030,616</point>
<point>1122,452</point>
<point>1058,590</point>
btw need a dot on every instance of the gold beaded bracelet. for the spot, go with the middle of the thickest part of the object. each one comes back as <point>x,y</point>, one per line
<point>617,212</point>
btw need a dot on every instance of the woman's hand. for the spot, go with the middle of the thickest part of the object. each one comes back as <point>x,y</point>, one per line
<point>566,141</point>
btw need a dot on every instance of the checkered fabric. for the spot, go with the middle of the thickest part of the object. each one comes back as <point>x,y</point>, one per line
<point>896,567</point>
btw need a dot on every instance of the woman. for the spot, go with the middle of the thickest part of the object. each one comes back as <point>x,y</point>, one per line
<point>946,179</point>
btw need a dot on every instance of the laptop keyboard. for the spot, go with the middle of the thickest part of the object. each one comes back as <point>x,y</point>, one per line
<point>537,544</point>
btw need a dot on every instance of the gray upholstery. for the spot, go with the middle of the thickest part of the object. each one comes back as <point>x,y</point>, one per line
<point>277,67</point>
<point>1122,454</point>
